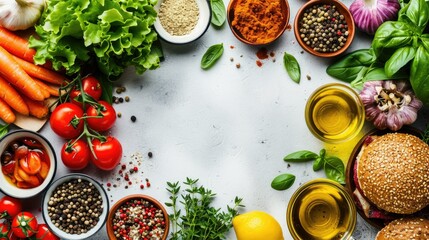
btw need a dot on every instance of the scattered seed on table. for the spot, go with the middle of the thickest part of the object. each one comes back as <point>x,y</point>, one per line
<point>150,154</point>
<point>133,118</point>
<point>127,99</point>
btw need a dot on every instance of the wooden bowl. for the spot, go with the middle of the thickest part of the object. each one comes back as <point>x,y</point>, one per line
<point>284,10</point>
<point>350,185</point>
<point>122,201</point>
<point>342,9</point>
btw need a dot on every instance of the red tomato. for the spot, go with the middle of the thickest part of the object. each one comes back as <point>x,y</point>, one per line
<point>101,117</point>
<point>4,231</point>
<point>107,154</point>
<point>76,156</point>
<point>24,224</point>
<point>66,120</point>
<point>44,233</point>
<point>91,86</point>
<point>10,207</point>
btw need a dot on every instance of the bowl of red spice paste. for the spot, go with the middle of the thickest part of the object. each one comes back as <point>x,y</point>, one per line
<point>28,164</point>
<point>257,22</point>
<point>137,216</point>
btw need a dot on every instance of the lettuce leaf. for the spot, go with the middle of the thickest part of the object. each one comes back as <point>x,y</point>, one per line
<point>110,34</point>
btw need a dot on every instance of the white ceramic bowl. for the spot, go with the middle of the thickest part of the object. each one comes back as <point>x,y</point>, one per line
<point>12,190</point>
<point>102,219</point>
<point>201,27</point>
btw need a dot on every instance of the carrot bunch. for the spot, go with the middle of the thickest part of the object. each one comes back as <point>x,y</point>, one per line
<point>24,86</point>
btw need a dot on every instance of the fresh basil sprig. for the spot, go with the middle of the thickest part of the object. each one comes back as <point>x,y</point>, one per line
<point>211,56</point>
<point>333,167</point>
<point>218,12</point>
<point>292,67</point>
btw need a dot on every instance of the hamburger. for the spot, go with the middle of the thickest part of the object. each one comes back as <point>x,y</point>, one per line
<point>405,228</point>
<point>391,174</point>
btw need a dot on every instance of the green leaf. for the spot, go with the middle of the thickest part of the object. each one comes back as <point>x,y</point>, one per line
<point>334,169</point>
<point>318,164</point>
<point>399,59</point>
<point>4,129</point>
<point>300,156</point>
<point>348,68</point>
<point>218,12</point>
<point>283,181</point>
<point>391,34</point>
<point>418,12</point>
<point>419,75</point>
<point>292,67</point>
<point>211,56</point>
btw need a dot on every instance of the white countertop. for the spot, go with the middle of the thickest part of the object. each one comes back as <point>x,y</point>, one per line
<point>229,127</point>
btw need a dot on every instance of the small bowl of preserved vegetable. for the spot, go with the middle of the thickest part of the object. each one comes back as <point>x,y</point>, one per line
<point>28,164</point>
<point>75,207</point>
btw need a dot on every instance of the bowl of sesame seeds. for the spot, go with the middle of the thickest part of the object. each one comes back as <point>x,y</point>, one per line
<point>324,28</point>
<point>182,21</point>
<point>137,216</point>
<point>75,207</point>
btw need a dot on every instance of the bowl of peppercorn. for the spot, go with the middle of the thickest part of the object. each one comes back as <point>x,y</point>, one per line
<point>137,216</point>
<point>258,22</point>
<point>324,28</point>
<point>75,207</point>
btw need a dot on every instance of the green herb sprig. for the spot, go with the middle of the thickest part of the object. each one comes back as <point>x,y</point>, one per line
<point>218,12</point>
<point>200,219</point>
<point>4,128</point>
<point>333,167</point>
<point>211,56</point>
<point>292,67</point>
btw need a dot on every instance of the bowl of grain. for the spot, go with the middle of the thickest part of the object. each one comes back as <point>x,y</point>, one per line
<point>182,21</point>
<point>142,215</point>
<point>258,22</point>
<point>75,207</point>
<point>324,28</point>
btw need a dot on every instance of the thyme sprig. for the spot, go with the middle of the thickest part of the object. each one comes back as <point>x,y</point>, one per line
<point>200,219</point>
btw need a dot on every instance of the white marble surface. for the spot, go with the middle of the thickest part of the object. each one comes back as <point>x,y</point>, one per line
<point>229,127</point>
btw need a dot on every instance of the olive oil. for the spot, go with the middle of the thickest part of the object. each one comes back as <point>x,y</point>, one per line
<point>321,210</point>
<point>334,113</point>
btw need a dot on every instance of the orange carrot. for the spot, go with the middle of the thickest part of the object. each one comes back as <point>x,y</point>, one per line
<point>6,113</point>
<point>37,108</point>
<point>16,45</point>
<point>18,77</point>
<point>44,91</point>
<point>12,97</point>
<point>52,90</point>
<point>41,72</point>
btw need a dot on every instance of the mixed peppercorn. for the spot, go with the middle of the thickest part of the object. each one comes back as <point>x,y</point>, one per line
<point>138,219</point>
<point>323,28</point>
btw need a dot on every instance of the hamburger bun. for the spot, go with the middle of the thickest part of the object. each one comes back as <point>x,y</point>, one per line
<point>405,229</point>
<point>393,173</point>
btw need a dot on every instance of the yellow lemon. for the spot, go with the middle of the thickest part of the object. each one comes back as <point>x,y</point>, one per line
<point>257,225</point>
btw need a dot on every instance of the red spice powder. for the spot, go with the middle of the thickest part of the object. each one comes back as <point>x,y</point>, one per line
<point>259,63</point>
<point>262,53</point>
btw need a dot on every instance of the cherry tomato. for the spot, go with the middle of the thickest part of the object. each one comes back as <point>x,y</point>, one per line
<point>77,155</point>
<point>24,225</point>
<point>66,120</point>
<point>107,154</point>
<point>101,117</point>
<point>91,86</point>
<point>44,233</point>
<point>4,231</point>
<point>10,207</point>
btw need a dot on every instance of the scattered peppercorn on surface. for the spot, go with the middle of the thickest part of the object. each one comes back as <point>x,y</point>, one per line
<point>229,126</point>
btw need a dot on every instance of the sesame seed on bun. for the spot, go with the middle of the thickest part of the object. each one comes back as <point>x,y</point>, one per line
<point>393,173</point>
<point>405,228</point>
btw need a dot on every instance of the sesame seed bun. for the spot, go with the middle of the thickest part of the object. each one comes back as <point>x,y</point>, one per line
<point>405,228</point>
<point>393,173</point>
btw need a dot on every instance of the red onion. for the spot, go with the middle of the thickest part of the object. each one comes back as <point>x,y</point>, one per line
<point>370,14</point>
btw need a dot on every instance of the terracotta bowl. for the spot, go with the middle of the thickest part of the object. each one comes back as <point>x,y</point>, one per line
<point>342,9</point>
<point>350,185</point>
<point>285,11</point>
<point>122,201</point>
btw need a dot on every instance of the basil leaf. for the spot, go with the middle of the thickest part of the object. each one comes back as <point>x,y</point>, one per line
<point>218,12</point>
<point>418,13</point>
<point>348,68</point>
<point>318,164</point>
<point>4,129</point>
<point>211,56</point>
<point>334,169</point>
<point>300,156</point>
<point>292,67</point>
<point>283,181</point>
<point>391,34</point>
<point>399,59</point>
<point>419,75</point>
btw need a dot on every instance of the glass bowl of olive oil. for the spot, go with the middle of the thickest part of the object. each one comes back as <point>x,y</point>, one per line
<point>321,210</point>
<point>334,113</point>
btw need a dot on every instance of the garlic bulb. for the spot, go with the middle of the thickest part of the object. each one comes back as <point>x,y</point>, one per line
<point>370,14</point>
<point>20,14</point>
<point>390,104</point>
